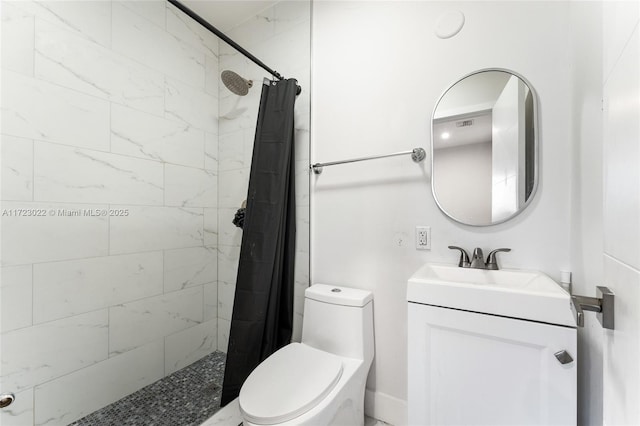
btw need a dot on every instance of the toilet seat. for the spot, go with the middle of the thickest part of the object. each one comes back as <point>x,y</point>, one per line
<point>289,383</point>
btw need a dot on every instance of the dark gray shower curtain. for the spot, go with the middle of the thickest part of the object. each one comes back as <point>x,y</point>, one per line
<point>262,319</point>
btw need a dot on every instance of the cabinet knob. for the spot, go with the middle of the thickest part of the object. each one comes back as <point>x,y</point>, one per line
<point>563,357</point>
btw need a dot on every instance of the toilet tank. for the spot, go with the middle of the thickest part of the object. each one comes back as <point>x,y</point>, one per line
<point>339,320</point>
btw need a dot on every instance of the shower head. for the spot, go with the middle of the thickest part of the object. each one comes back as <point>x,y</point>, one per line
<point>235,83</point>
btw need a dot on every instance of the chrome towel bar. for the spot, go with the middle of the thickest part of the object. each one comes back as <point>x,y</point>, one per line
<point>417,155</point>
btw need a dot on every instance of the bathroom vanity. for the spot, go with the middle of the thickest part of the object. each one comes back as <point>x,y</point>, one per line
<point>490,348</point>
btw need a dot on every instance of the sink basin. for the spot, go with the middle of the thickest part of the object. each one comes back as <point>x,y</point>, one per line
<point>529,295</point>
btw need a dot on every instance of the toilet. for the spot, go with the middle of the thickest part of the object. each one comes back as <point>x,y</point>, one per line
<point>320,381</point>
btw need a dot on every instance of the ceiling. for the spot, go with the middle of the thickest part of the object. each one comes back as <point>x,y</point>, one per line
<point>226,14</point>
<point>450,131</point>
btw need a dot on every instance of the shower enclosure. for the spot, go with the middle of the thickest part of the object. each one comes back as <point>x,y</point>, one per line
<point>123,164</point>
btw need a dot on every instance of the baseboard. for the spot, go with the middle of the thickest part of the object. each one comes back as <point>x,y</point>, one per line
<point>385,407</point>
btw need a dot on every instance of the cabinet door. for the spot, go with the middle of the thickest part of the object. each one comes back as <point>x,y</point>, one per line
<point>468,368</point>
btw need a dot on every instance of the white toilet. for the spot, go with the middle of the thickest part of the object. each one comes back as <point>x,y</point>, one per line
<point>320,381</point>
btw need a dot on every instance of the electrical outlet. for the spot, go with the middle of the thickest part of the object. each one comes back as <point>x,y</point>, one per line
<point>423,237</point>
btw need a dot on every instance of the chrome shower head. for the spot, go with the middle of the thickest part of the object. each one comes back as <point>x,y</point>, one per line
<point>235,83</point>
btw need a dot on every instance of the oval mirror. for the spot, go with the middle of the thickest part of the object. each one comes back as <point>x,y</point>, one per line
<point>484,148</point>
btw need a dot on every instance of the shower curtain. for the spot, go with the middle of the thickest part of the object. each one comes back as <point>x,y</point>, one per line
<point>262,318</point>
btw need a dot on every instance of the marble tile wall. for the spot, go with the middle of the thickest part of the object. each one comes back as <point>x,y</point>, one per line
<point>106,105</point>
<point>279,36</point>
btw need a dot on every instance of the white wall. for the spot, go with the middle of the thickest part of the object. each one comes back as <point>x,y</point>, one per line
<point>621,195</point>
<point>586,195</point>
<point>378,70</point>
<point>465,195</point>
<point>104,105</point>
<point>279,35</point>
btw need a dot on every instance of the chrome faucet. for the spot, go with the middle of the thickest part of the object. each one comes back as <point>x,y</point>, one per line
<point>477,260</point>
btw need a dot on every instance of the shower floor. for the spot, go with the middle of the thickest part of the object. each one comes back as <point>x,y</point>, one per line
<point>187,397</point>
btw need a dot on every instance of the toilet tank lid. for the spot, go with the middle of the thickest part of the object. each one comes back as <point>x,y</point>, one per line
<point>339,295</point>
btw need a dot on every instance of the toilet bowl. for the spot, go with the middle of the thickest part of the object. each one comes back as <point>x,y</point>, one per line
<point>320,381</point>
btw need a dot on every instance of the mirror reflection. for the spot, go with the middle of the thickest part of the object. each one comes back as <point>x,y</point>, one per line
<point>484,148</point>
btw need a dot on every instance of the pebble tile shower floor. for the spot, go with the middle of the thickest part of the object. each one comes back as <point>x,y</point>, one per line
<point>185,398</point>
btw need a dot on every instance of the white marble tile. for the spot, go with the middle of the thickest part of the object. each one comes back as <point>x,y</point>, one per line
<point>189,31</point>
<point>210,301</point>
<point>228,415</point>
<point>190,105</point>
<point>17,39</point>
<point>302,174</point>
<point>188,346</point>
<point>71,397</point>
<point>37,354</point>
<point>212,76</point>
<point>238,112</point>
<point>137,323</point>
<point>17,168</point>
<point>228,233</point>
<point>211,227</point>
<point>211,152</point>
<point>39,110</point>
<point>288,15</point>
<point>91,19</point>
<point>155,228</point>
<point>293,51</point>
<point>302,113</point>
<point>301,269</point>
<point>67,59</point>
<point>621,347</point>
<point>55,236</point>
<point>94,177</point>
<point>253,31</point>
<point>64,289</point>
<point>302,145</point>
<point>189,267</point>
<point>228,258</point>
<point>233,186</point>
<point>226,297</point>
<point>16,300</point>
<point>139,39</point>
<point>20,413</point>
<point>621,153</point>
<point>148,136</point>
<point>190,187</point>
<point>223,334</point>
<point>152,10</point>
<point>302,229</point>
<point>231,151</point>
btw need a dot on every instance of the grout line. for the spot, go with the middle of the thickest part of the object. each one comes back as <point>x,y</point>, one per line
<point>33,170</point>
<point>108,332</point>
<point>614,64</point>
<point>164,290</point>
<point>622,263</point>
<point>33,320</point>
<point>153,160</point>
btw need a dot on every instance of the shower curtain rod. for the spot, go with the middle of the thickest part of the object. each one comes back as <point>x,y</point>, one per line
<point>226,39</point>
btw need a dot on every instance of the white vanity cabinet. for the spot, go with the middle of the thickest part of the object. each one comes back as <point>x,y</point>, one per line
<point>470,366</point>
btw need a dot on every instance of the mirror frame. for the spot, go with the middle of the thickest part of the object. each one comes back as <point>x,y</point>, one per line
<point>536,146</point>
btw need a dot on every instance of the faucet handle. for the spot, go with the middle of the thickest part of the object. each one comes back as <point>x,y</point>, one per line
<point>492,262</point>
<point>464,261</point>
